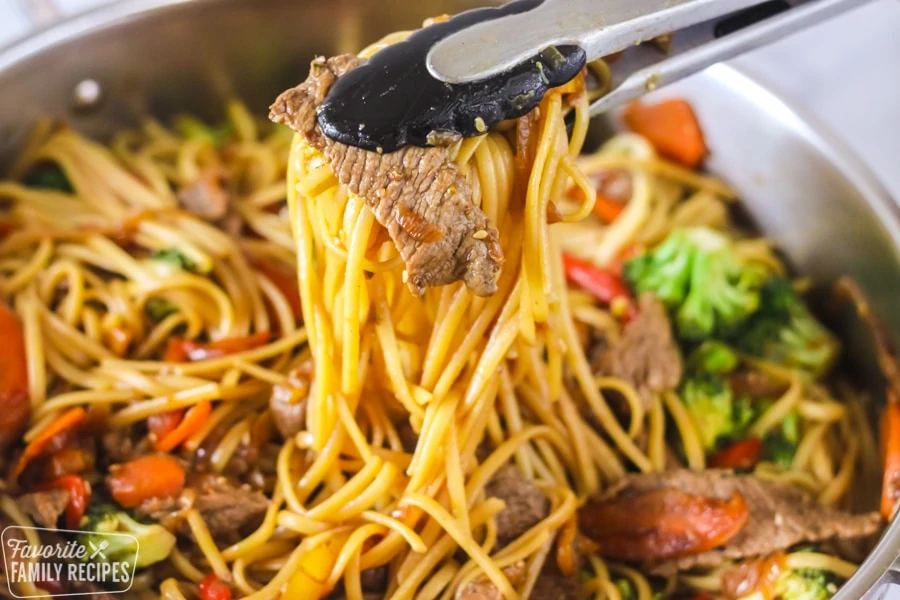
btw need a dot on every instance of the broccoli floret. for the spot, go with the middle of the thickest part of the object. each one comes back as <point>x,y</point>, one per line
<point>784,331</point>
<point>155,542</point>
<point>697,275</point>
<point>780,446</point>
<point>713,357</point>
<point>626,589</point>
<point>195,129</point>
<point>48,176</point>
<point>718,414</point>
<point>174,257</point>
<point>805,584</point>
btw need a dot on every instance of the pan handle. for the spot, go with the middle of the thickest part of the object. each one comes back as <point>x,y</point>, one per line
<point>41,13</point>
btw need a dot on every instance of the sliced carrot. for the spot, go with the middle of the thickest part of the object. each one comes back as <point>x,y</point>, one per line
<point>890,436</point>
<point>157,476</point>
<point>607,209</point>
<point>13,379</point>
<point>662,524</point>
<point>182,350</point>
<point>671,126</point>
<point>286,282</point>
<point>192,421</point>
<point>64,422</point>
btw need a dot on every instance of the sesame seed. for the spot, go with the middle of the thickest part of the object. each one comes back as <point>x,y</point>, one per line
<point>479,125</point>
<point>379,150</point>
<point>480,234</point>
<point>779,520</point>
<point>405,276</point>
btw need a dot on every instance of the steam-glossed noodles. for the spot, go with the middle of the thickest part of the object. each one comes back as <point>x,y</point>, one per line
<point>417,194</point>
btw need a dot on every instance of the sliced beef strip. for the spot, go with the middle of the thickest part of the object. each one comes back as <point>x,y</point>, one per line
<point>205,198</point>
<point>44,508</point>
<point>646,355</point>
<point>483,589</point>
<point>526,505</point>
<point>225,506</point>
<point>781,515</point>
<point>417,194</point>
<point>124,444</point>
<point>552,584</point>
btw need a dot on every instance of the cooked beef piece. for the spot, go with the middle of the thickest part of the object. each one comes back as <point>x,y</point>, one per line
<point>124,444</point>
<point>526,505</point>
<point>646,355</point>
<point>483,589</point>
<point>551,584</point>
<point>205,198</point>
<point>44,508</point>
<point>780,515</point>
<point>226,507</point>
<point>288,401</point>
<point>408,437</point>
<point>374,580</point>
<point>417,194</point>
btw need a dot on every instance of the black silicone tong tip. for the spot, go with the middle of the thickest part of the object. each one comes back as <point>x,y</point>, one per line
<point>392,101</point>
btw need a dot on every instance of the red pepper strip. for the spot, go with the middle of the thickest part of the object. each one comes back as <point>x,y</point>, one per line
<point>162,424</point>
<point>740,455</point>
<point>181,350</point>
<point>213,588</point>
<point>603,285</point>
<point>79,496</point>
<point>890,435</point>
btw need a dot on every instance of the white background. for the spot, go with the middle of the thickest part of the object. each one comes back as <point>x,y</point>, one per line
<point>847,71</point>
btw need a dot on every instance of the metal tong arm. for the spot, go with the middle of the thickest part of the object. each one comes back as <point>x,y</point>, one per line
<point>599,27</point>
<point>603,27</point>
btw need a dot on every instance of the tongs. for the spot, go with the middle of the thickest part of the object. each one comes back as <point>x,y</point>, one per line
<point>698,33</point>
<point>463,76</point>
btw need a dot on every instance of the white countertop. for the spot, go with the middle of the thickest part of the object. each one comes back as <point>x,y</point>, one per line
<point>846,71</point>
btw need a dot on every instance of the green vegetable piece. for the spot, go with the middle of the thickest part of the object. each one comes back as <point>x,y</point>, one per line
<point>626,589</point>
<point>159,308</point>
<point>697,275</point>
<point>174,257</point>
<point>785,331</point>
<point>806,584</point>
<point>48,176</point>
<point>713,357</point>
<point>193,128</point>
<point>718,415</point>
<point>154,542</point>
<point>780,446</point>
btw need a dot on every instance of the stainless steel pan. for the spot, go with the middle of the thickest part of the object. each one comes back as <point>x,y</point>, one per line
<point>799,184</point>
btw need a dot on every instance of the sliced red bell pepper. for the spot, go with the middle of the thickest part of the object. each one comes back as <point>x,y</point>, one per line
<point>600,283</point>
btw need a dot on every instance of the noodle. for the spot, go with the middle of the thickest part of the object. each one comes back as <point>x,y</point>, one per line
<point>107,299</point>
